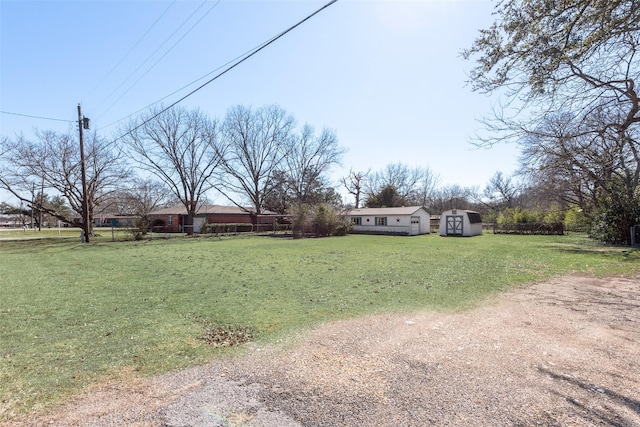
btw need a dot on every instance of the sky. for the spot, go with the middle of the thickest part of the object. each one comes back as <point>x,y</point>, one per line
<point>386,76</point>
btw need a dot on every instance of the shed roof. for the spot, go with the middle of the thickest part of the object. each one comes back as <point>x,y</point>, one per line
<point>404,210</point>
<point>461,210</point>
<point>474,217</point>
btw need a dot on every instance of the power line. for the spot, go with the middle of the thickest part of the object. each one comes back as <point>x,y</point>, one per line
<point>188,84</point>
<point>37,117</point>
<point>235,64</point>
<point>154,52</point>
<point>130,50</point>
<point>160,59</point>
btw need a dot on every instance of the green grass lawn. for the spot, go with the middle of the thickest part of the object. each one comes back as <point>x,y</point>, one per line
<point>74,314</point>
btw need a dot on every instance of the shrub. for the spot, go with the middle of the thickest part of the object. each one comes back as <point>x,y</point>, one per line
<point>141,227</point>
<point>555,216</point>
<point>490,217</point>
<point>343,229</point>
<point>316,221</point>
<point>325,221</point>
<point>612,222</point>
<point>301,221</point>
<point>576,220</point>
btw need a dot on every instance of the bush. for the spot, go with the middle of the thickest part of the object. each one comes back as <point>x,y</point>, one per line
<point>554,216</point>
<point>141,227</point>
<point>301,221</point>
<point>325,221</point>
<point>490,217</point>
<point>576,220</point>
<point>612,222</point>
<point>530,228</point>
<point>518,215</point>
<point>316,221</point>
<point>343,229</point>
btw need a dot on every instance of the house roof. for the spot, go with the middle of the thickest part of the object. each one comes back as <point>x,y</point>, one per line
<point>207,209</point>
<point>404,210</point>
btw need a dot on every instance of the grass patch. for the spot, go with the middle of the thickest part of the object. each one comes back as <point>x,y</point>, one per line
<point>73,313</point>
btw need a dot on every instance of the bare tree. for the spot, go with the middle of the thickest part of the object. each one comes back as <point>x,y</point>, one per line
<point>354,184</point>
<point>573,69</point>
<point>594,170</point>
<point>547,161</point>
<point>451,197</point>
<point>502,191</point>
<point>425,186</point>
<point>140,197</point>
<point>53,162</point>
<point>282,198</point>
<point>307,158</point>
<point>181,148</point>
<point>255,142</point>
<point>414,186</point>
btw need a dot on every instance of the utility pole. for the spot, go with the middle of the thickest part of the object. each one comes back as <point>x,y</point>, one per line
<point>41,203</point>
<point>33,201</point>
<point>84,124</point>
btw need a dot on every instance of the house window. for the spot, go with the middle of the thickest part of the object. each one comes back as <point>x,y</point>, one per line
<point>381,220</point>
<point>169,220</point>
<point>356,220</point>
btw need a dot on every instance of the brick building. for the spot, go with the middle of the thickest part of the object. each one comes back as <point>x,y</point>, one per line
<point>171,220</point>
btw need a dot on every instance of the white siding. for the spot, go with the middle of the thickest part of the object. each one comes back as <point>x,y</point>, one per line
<point>398,221</point>
<point>468,229</point>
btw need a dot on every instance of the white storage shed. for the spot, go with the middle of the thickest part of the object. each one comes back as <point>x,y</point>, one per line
<point>458,222</point>
<point>409,221</point>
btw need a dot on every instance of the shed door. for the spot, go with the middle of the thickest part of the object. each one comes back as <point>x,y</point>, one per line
<point>415,225</point>
<point>454,225</point>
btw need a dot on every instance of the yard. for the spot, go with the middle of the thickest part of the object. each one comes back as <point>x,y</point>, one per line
<point>73,315</point>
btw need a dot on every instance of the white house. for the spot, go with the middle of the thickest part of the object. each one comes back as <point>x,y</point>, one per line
<point>458,222</point>
<point>411,220</point>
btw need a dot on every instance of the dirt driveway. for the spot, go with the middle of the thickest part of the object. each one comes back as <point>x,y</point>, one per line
<point>563,353</point>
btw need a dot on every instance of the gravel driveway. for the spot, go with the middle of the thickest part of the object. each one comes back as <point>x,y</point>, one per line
<point>563,353</point>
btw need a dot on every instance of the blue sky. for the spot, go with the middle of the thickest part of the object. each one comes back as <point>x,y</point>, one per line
<point>387,76</point>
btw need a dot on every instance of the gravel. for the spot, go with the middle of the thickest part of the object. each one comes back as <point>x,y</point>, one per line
<point>563,353</point>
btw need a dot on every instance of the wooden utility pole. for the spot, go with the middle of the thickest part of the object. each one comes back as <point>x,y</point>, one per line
<point>85,200</point>
<point>33,201</point>
<point>41,203</point>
